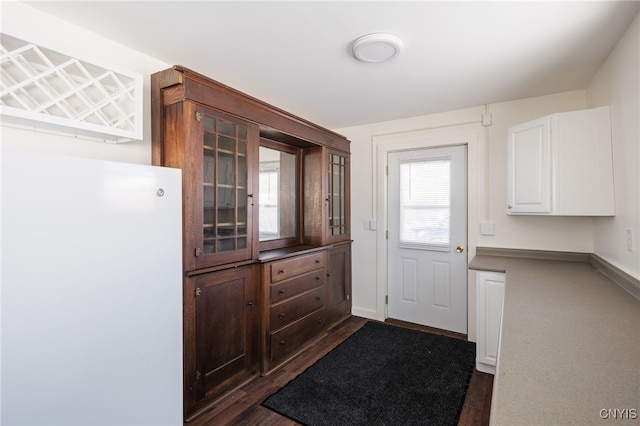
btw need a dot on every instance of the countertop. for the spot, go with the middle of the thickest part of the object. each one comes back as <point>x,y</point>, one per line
<point>569,346</point>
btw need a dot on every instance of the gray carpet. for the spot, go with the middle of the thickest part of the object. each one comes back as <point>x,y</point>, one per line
<point>382,375</point>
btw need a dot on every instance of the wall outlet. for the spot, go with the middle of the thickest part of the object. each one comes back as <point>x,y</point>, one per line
<point>630,240</point>
<point>487,228</point>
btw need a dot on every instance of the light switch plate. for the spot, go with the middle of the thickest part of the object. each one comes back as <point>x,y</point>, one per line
<point>487,228</point>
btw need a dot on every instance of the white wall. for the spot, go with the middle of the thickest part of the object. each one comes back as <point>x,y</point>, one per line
<point>31,24</point>
<point>487,193</point>
<point>618,84</point>
<point>529,232</point>
<point>366,300</point>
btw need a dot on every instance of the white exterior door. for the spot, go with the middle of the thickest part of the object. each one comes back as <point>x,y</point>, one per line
<point>427,232</point>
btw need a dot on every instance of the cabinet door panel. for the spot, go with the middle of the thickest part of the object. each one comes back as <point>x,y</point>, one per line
<point>225,330</point>
<point>338,284</point>
<point>490,297</point>
<point>218,304</point>
<point>220,221</point>
<point>326,196</point>
<point>338,197</point>
<point>529,167</point>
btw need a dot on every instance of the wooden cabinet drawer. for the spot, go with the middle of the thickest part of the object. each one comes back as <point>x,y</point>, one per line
<point>289,288</point>
<point>291,338</point>
<point>287,268</point>
<point>296,307</point>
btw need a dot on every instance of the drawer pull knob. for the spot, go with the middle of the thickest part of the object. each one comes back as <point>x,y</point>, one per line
<point>281,315</point>
<point>281,292</point>
<point>319,321</point>
<point>250,303</point>
<point>317,261</point>
<point>318,298</point>
<point>282,342</point>
<point>317,278</point>
<point>281,271</point>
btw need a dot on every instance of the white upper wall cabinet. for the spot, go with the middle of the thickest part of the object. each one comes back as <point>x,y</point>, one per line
<point>45,89</point>
<point>561,165</point>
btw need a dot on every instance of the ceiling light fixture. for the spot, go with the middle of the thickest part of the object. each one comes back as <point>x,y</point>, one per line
<point>377,47</point>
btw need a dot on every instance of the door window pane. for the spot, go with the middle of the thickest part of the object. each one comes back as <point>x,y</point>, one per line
<point>425,204</point>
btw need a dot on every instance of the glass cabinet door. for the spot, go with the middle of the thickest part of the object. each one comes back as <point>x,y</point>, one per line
<point>338,200</point>
<point>225,188</point>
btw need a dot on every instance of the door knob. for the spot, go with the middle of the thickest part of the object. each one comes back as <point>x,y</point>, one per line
<point>459,249</point>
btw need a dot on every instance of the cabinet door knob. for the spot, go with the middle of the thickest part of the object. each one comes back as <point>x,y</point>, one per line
<point>282,342</point>
<point>281,315</point>
<point>281,292</point>
<point>281,271</point>
<point>509,206</point>
<point>250,303</point>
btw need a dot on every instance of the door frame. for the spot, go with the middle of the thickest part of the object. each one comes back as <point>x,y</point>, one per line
<point>458,262</point>
<point>473,136</point>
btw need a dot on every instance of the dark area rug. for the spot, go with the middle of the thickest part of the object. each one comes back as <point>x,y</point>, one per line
<point>382,375</point>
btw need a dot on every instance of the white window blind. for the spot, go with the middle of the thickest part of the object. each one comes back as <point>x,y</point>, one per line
<point>425,204</point>
<point>268,200</point>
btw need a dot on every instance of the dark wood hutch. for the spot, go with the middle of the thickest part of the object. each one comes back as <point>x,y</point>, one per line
<point>250,305</point>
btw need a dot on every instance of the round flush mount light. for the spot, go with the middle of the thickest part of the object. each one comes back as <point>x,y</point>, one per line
<point>378,47</point>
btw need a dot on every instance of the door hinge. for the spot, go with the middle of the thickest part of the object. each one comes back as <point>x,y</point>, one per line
<point>198,291</point>
<point>197,251</point>
<point>386,235</point>
<point>198,116</point>
<point>386,170</point>
<point>386,299</point>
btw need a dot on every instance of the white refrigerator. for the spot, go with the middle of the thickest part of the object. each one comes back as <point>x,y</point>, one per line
<point>91,292</point>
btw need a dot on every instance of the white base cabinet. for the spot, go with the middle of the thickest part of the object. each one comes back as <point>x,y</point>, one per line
<point>490,298</point>
<point>561,165</point>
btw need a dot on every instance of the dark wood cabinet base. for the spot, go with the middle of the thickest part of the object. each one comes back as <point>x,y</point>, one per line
<point>243,314</point>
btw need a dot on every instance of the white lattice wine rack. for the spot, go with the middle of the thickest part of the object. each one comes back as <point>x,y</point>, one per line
<point>44,89</point>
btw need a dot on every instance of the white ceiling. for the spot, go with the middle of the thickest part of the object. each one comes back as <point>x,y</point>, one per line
<point>296,54</point>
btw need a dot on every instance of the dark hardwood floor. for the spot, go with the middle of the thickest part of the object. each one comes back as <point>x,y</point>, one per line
<point>242,407</point>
